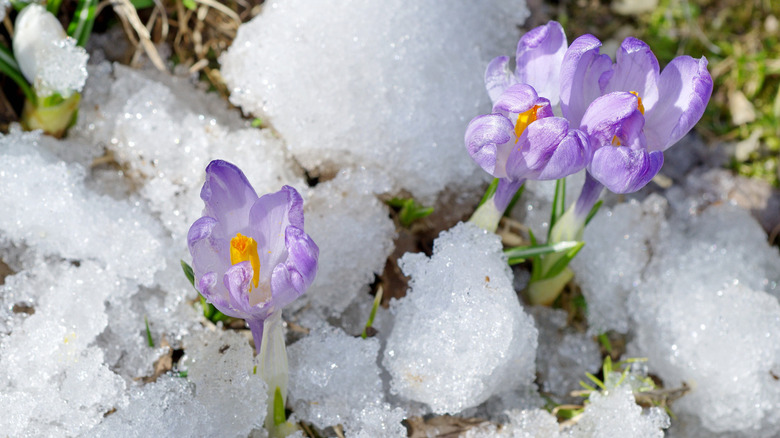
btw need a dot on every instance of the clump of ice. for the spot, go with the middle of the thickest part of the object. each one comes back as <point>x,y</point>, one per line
<point>164,134</point>
<point>334,379</point>
<point>63,68</point>
<point>460,334</point>
<point>703,316</point>
<point>355,235</point>
<point>221,395</point>
<point>47,207</point>
<point>610,265</point>
<point>614,412</point>
<point>54,379</point>
<point>721,343</point>
<point>564,355</point>
<point>532,423</point>
<point>383,86</point>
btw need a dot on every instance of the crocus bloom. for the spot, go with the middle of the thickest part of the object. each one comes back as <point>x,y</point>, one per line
<point>250,255</point>
<point>522,140</point>
<point>671,101</point>
<point>631,113</point>
<point>539,56</point>
<point>47,57</point>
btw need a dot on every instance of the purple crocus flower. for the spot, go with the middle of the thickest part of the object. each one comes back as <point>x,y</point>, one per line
<point>539,56</point>
<point>250,255</point>
<point>522,140</point>
<point>671,101</point>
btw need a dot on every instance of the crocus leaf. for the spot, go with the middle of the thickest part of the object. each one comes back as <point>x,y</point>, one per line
<point>520,253</point>
<point>53,6</point>
<point>558,204</point>
<point>279,415</point>
<point>593,211</point>
<point>83,20</point>
<point>10,68</point>
<point>188,273</point>
<point>561,264</point>
<point>491,190</point>
<point>514,200</point>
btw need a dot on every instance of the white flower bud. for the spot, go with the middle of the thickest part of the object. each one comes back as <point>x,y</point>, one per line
<point>48,58</point>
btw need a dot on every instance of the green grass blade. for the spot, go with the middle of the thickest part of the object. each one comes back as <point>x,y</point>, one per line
<point>83,20</point>
<point>149,339</point>
<point>370,322</point>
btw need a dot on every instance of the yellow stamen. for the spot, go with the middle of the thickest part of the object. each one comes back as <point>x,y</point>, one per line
<point>242,249</point>
<point>639,102</point>
<point>524,119</point>
<point>640,107</point>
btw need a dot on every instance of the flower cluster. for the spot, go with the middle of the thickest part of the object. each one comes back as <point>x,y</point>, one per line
<point>615,119</point>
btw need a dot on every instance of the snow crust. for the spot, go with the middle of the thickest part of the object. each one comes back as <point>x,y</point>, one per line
<point>390,86</point>
<point>460,334</point>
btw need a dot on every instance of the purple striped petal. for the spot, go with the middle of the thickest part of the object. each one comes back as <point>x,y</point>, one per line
<point>636,69</point>
<point>685,88</point>
<point>291,279</point>
<point>269,218</point>
<point>498,77</point>
<point>237,280</point>
<point>548,150</point>
<point>517,99</point>
<point>539,56</point>
<point>584,74</point>
<point>625,170</point>
<point>489,140</point>
<point>606,115</point>
<point>228,197</point>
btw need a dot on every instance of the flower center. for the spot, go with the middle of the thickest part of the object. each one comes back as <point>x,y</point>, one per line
<point>640,107</point>
<point>242,249</point>
<point>524,119</point>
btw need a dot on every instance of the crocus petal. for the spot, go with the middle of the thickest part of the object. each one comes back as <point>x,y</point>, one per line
<point>228,197</point>
<point>539,56</point>
<point>291,279</point>
<point>270,216</point>
<point>212,291</point>
<point>625,170</point>
<point>584,73</point>
<point>636,69</point>
<point>606,115</point>
<point>685,88</point>
<point>516,99</point>
<point>208,252</point>
<point>35,27</point>
<point>547,150</point>
<point>498,77</point>
<point>489,142</point>
<point>237,280</point>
